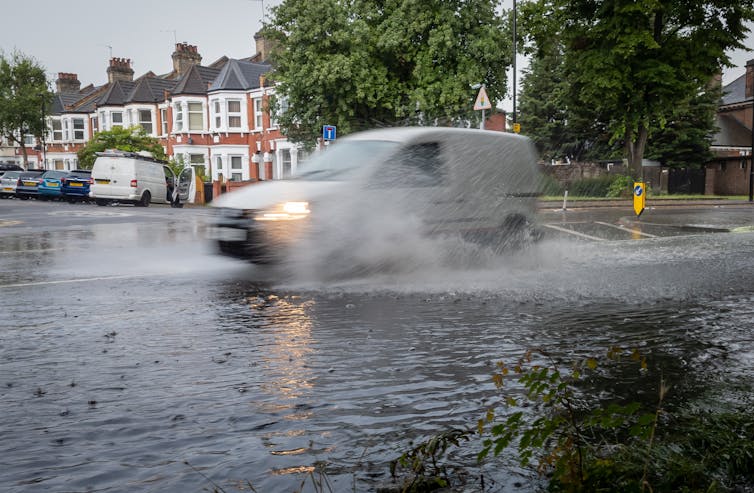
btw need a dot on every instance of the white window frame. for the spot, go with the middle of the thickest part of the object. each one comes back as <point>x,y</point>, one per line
<point>193,113</point>
<point>177,118</point>
<point>217,114</point>
<point>79,134</point>
<point>258,114</point>
<point>234,113</point>
<point>57,133</point>
<point>149,129</point>
<point>282,107</point>
<point>119,114</point>
<point>164,120</point>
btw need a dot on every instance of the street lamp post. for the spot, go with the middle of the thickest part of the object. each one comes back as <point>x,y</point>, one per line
<point>751,156</point>
<point>514,64</point>
<point>44,131</point>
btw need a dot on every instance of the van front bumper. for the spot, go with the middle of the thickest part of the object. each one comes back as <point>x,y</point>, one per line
<point>236,234</point>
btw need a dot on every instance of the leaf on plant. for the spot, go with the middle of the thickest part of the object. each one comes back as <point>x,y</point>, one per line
<point>498,379</point>
<point>591,363</point>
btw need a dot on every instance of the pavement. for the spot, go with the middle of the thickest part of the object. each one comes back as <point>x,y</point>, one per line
<point>654,202</point>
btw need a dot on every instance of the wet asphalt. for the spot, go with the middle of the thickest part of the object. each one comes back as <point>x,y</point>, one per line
<point>133,358</point>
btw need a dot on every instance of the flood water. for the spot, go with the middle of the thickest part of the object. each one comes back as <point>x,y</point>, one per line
<point>188,372</point>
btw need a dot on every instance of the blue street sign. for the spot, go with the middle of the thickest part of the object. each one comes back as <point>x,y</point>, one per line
<point>638,190</point>
<point>328,132</point>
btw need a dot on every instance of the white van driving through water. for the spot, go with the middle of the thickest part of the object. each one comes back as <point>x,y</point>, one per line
<point>381,188</point>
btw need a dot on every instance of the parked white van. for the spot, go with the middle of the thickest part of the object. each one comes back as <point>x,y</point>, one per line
<point>135,178</point>
<point>377,188</point>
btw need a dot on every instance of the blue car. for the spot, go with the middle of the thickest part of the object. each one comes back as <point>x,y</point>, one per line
<point>50,184</point>
<point>76,185</point>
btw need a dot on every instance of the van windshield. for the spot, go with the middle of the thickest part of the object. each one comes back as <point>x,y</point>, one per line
<point>345,158</point>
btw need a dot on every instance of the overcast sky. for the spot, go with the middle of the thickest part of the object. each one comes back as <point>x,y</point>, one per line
<point>80,36</point>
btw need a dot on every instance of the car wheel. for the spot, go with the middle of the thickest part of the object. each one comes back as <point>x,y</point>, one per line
<point>101,202</point>
<point>144,202</point>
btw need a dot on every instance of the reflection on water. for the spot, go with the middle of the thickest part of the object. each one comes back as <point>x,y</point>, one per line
<point>113,387</point>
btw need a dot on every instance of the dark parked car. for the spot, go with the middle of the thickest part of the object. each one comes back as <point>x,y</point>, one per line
<point>50,184</point>
<point>76,185</point>
<point>28,184</point>
<point>5,167</point>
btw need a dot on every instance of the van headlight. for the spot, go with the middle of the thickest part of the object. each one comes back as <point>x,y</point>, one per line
<point>287,211</point>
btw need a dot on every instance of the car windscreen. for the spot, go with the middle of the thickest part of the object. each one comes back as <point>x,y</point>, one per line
<point>79,174</point>
<point>344,158</point>
<point>54,174</point>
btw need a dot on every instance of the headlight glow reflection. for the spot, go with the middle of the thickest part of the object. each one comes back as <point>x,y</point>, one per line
<point>287,211</point>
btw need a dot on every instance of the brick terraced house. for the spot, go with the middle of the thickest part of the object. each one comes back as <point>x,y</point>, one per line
<point>215,117</point>
<point>729,172</point>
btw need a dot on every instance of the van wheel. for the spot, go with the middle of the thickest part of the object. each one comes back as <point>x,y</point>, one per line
<point>101,202</point>
<point>515,232</point>
<point>144,202</point>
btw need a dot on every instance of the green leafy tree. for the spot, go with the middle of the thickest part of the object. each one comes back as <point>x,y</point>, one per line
<point>635,63</point>
<point>24,95</point>
<point>131,139</point>
<point>368,63</point>
<point>687,136</point>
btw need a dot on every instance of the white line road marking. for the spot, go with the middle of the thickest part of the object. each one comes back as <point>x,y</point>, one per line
<point>68,281</point>
<point>575,233</point>
<point>623,228</point>
<point>92,213</point>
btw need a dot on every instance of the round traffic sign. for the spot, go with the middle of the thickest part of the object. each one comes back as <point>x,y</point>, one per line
<point>638,190</point>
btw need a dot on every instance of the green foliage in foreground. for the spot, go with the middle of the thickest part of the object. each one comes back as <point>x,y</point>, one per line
<point>132,139</point>
<point>580,446</point>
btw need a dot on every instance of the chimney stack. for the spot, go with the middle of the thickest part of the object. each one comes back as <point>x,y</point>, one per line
<point>67,83</point>
<point>120,69</point>
<point>749,79</point>
<point>184,57</point>
<point>263,47</point>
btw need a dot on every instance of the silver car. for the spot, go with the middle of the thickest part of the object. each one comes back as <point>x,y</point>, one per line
<point>8,184</point>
